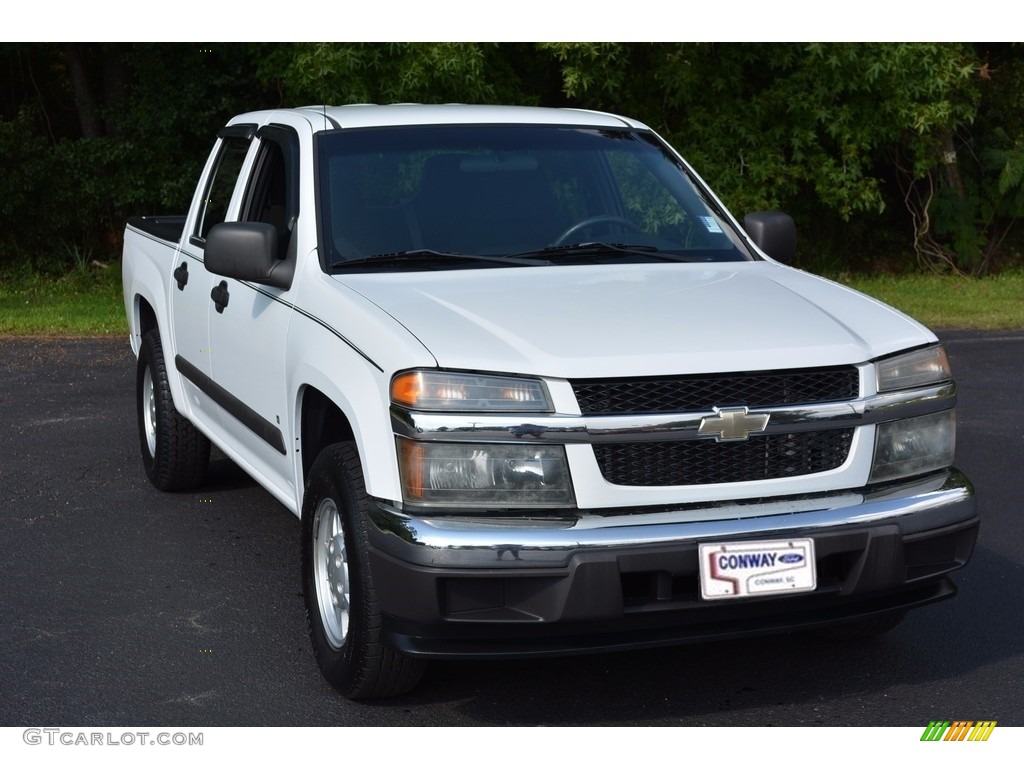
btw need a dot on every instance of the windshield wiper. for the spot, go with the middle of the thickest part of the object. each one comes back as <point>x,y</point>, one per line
<point>598,248</point>
<point>420,255</point>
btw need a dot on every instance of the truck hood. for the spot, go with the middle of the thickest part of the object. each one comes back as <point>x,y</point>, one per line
<point>637,319</point>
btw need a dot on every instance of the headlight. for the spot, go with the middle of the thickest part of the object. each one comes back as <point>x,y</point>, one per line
<point>484,475</point>
<point>913,446</point>
<point>915,369</point>
<point>444,391</point>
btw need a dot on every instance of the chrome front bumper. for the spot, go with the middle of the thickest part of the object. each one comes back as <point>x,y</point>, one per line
<point>475,587</point>
<point>462,541</point>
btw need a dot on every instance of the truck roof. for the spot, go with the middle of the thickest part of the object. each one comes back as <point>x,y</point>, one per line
<point>376,115</point>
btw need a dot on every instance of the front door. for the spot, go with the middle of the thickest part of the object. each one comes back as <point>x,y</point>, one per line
<point>249,324</point>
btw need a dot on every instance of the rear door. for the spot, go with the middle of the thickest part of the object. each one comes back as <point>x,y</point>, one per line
<point>191,283</point>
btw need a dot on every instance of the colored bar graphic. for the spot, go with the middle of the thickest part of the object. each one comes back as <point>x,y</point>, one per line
<point>958,730</point>
<point>982,730</point>
<point>935,730</point>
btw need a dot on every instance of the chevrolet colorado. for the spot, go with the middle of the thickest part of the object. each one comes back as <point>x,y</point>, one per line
<point>532,390</point>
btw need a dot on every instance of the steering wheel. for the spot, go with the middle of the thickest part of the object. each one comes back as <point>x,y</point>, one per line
<point>581,225</point>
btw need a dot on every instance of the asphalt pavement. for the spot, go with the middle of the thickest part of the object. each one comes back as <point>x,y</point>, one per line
<point>124,606</point>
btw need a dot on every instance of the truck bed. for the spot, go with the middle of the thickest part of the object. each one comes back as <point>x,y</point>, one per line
<point>164,227</point>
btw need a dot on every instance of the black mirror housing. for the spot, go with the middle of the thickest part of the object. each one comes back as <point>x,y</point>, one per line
<point>247,250</point>
<point>774,232</point>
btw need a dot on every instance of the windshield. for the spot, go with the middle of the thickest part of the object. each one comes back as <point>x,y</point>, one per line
<point>412,197</point>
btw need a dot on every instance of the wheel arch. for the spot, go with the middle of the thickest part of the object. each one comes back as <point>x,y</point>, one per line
<point>145,316</point>
<point>336,399</point>
<point>321,423</point>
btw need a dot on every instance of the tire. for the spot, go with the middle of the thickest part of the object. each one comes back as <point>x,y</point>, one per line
<point>342,614</point>
<point>174,453</point>
<point>859,630</point>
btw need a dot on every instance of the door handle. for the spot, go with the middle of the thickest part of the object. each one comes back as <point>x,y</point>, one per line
<point>220,297</point>
<point>181,275</point>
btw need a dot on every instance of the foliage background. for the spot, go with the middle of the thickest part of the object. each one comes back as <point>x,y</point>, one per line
<point>892,157</point>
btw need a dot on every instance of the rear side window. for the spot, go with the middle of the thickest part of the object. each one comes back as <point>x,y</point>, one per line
<point>214,206</point>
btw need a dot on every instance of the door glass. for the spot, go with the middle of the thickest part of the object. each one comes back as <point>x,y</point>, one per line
<point>214,206</point>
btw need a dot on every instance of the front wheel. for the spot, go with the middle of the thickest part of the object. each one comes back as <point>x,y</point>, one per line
<point>174,453</point>
<point>342,614</point>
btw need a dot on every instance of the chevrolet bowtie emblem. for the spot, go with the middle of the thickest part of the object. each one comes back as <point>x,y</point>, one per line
<point>733,424</point>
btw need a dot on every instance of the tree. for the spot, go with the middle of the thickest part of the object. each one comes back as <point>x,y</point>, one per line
<point>852,134</point>
<point>354,73</point>
<point>101,132</point>
<point>911,148</point>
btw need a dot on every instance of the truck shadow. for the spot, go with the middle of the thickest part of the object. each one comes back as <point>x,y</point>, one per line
<point>224,475</point>
<point>722,683</point>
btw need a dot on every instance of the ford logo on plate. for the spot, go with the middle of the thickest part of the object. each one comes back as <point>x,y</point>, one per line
<point>791,557</point>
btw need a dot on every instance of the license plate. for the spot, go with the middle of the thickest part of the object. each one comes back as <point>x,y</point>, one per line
<point>751,568</point>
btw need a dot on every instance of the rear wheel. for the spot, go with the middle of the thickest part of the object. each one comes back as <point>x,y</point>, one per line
<point>174,453</point>
<point>342,614</point>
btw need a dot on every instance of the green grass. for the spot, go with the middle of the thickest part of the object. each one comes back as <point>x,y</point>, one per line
<point>83,302</point>
<point>87,301</point>
<point>943,301</point>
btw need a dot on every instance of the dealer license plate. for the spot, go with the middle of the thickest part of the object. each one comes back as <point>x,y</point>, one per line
<point>751,568</point>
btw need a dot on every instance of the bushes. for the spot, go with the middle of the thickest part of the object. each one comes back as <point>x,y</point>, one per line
<point>156,110</point>
<point>895,156</point>
<point>28,164</point>
<point>68,202</point>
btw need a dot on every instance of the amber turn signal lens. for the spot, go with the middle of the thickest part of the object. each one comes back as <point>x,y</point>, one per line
<point>434,390</point>
<point>406,388</point>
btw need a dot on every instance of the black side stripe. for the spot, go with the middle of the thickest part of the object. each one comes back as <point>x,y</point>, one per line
<point>260,427</point>
<point>300,310</point>
<point>279,300</point>
<point>315,319</point>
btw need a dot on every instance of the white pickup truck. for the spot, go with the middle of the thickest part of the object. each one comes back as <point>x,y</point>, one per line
<point>533,391</point>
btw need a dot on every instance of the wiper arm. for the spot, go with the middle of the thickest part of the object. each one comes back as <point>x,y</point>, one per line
<point>597,248</point>
<point>428,254</point>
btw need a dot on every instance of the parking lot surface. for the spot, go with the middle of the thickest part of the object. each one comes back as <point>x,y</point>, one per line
<point>120,605</point>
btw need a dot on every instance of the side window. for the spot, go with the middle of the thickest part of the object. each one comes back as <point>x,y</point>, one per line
<point>272,197</point>
<point>214,206</point>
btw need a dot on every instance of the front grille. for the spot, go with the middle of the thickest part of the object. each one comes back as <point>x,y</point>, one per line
<point>707,462</point>
<point>679,394</point>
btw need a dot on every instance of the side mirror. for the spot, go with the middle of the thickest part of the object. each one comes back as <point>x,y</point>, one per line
<point>247,250</point>
<point>774,232</point>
